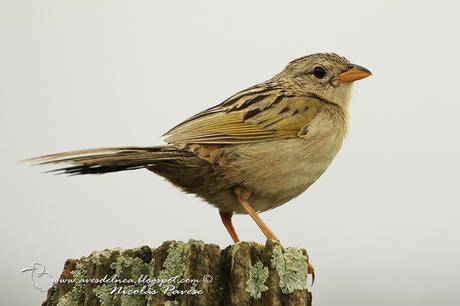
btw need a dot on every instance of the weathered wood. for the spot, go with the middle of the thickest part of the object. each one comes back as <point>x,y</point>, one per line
<point>192,273</point>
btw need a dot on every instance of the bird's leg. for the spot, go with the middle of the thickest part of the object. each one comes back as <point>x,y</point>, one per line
<point>247,207</point>
<point>227,221</point>
<point>264,228</point>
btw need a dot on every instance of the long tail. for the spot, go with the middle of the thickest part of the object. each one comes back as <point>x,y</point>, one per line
<point>105,160</point>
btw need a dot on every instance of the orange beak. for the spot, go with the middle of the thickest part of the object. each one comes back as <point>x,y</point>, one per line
<point>353,73</point>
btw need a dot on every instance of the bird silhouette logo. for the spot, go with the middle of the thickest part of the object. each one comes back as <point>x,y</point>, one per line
<point>40,277</point>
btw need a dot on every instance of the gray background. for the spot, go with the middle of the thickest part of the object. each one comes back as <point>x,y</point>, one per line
<point>381,225</point>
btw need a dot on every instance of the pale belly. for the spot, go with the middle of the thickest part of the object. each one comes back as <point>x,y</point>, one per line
<point>277,171</point>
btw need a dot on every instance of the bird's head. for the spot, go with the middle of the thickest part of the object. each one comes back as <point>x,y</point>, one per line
<point>327,75</point>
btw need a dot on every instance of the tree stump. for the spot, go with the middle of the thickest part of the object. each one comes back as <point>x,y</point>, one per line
<point>179,273</point>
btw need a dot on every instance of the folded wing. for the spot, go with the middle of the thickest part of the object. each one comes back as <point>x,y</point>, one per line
<point>255,115</point>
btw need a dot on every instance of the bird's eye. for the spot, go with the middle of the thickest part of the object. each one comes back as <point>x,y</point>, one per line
<point>319,72</point>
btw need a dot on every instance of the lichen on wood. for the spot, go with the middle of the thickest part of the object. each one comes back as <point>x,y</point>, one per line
<point>185,273</point>
<point>255,285</point>
<point>291,265</point>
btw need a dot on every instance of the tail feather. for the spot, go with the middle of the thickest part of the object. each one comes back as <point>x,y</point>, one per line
<point>113,159</point>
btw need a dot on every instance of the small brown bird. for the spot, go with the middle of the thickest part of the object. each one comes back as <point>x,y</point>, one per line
<point>255,151</point>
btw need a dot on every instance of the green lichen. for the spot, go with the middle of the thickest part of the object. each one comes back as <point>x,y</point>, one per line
<point>258,275</point>
<point>291,267</point>
<point>96,257</point>
<point>134,299</point>
<point>150,286</point>
<point>125,266</point>
<point>176,263</point>
<point>76,296</point>
<point>103,294</point>
<point>125,262</point>
<point>171,303</point>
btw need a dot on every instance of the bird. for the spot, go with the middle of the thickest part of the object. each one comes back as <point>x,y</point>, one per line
<point>253,152</point>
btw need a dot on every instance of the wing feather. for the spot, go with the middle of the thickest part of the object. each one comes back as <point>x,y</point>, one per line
<point>258,114</point>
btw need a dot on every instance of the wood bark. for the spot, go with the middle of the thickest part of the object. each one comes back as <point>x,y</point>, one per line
<point>185,273</point>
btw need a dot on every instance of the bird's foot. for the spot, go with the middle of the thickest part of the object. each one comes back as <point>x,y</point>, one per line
<point>311,270</point>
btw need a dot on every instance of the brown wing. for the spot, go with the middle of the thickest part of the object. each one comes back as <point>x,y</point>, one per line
<point>260,113</point>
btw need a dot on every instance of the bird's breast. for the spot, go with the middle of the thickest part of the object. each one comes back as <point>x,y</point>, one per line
<point>276,171</point>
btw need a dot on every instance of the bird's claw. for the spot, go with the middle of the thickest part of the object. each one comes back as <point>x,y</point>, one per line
<point>311,270</point>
